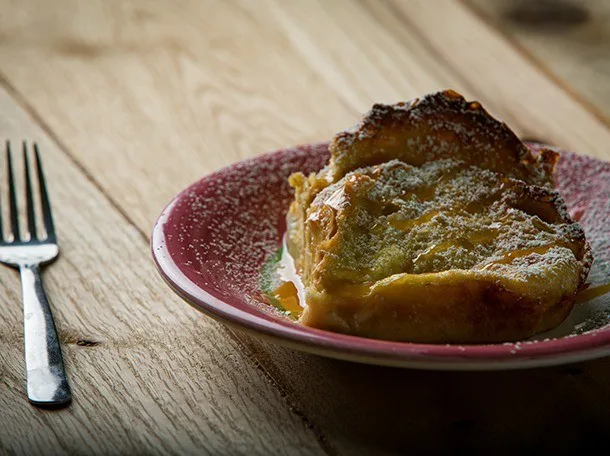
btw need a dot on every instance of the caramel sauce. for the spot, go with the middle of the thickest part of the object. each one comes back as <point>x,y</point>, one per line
<point>288,297</point>
<point>483,236</point>
<point>432,250</point>
<point>542,226</point>
<point>510,256</point>
<point>592,293</point>
<point>427,193</point>
<point>290,294</point>
<point>479,237</point>
<point>408,224</point>
<point>474,207</point>
<point>423,194</point>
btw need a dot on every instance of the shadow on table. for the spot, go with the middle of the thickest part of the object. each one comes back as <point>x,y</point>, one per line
<point>361,409</point>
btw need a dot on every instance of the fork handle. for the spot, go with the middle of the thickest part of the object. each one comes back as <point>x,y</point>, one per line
<point>47,384</point>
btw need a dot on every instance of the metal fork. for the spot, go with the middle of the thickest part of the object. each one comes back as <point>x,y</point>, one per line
<point>47,384</point>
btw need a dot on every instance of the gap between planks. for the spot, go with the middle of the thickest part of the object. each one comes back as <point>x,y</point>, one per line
<point>536,62</point>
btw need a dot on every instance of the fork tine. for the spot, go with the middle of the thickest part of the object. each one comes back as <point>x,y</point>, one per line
<point>13,214</point>
<point>28,194</point>
<point>44,199</point>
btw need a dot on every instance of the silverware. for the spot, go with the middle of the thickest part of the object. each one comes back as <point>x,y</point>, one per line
<point>47,384</point>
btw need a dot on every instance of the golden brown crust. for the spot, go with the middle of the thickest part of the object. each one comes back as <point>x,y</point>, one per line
<point>438,125</point>
<point>456,308</point>
<point>443,230</point>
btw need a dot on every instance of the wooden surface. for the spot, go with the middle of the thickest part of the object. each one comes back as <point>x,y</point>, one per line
<point>134,100</point>
<point>567,40</point>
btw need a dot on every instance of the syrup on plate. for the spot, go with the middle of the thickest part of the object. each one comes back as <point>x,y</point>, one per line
<point>284,289</point>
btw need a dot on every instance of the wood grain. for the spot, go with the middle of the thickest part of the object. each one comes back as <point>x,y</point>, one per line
<point>149,374</point>
<point>423,49</point>
<point>567,39</point>
<point>375,410</point>
<point>510,86</point>
<point>145,97</point>
<point>169,93</point>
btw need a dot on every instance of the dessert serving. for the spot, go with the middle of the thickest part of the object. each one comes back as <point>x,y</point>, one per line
<point>433,222</point>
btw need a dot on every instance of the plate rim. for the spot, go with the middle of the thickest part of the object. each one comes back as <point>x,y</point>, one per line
<point>509,355</point>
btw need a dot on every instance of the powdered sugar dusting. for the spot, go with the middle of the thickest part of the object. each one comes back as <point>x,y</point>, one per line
<point>228,223</point>
<point>232,222</point>
<point>584,183</point>
<point>445,215</point>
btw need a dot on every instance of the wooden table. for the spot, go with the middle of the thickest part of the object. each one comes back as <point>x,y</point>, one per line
<point>133,100</point>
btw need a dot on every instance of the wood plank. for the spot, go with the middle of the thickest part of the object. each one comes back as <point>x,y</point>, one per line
<point>170,93</point>
<point>147,105</point>
<point>377,410</point>
<point>569,40</point>
<point>175,109</point>
<point>334,38</point>
<point>149,374</point>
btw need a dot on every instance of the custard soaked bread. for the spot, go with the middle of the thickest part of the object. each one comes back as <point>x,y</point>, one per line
<point>434,223</point>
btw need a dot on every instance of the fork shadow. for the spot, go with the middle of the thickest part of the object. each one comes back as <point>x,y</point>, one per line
<point>364,409</point>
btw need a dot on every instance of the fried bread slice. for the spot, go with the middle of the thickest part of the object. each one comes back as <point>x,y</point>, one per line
<point>445,252</point>
<point>452,247</point>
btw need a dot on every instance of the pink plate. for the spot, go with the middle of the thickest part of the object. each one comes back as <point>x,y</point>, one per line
<point>211,241</point>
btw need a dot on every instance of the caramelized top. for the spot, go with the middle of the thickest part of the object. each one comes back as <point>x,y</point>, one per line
<point>436,126</point>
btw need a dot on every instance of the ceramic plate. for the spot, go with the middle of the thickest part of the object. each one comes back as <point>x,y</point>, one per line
<point>212,240</point>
